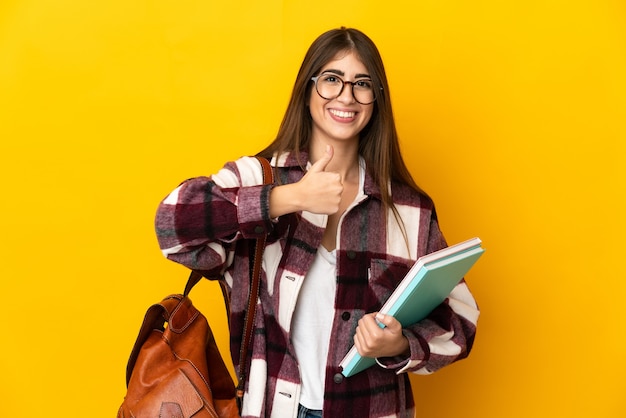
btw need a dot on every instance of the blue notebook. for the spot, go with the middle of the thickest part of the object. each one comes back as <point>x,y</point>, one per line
<point>425,286</point>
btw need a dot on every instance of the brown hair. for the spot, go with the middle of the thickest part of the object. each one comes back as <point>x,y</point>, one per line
<point>378,143</point>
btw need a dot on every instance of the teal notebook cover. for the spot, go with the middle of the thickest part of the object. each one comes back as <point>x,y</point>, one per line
<point>425,286</point>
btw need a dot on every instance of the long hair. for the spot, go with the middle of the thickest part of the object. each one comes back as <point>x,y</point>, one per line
<point>378,142</point>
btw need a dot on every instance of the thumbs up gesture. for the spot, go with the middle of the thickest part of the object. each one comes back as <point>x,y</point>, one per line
<point>319,191</point>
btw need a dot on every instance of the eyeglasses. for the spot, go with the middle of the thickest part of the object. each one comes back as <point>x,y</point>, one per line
<point>330,86</point>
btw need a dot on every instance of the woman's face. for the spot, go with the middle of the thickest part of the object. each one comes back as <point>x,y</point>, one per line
<point>341,118</point>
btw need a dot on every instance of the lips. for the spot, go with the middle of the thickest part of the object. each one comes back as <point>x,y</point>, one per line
<point>341,114</point>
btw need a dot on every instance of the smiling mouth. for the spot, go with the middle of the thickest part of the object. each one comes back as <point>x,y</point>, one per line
<point>342,114</point>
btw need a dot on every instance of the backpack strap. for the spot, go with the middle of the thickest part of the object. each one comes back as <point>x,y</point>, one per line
<point>255,280</point>
<point>155,319</point>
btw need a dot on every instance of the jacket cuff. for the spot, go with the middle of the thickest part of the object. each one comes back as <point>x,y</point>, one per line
<point>401,364</point>
<point>253,211</point>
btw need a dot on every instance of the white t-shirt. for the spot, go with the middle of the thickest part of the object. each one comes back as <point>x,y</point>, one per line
<point>312,322</point>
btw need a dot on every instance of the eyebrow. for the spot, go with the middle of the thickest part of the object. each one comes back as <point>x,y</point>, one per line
<point>341,73</point>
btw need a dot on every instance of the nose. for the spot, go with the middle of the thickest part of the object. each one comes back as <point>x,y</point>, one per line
<point>347,94</point>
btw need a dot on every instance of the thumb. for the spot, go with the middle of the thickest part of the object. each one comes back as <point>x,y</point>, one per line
<point>383,320</point>
<point>320,165</point>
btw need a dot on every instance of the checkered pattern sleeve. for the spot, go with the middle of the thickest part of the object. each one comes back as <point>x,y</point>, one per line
<point>197,223</point>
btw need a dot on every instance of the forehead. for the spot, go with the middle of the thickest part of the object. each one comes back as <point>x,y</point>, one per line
<point>348,63</point>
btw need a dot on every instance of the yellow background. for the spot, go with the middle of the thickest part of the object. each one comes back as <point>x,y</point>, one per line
<point>511,114</point>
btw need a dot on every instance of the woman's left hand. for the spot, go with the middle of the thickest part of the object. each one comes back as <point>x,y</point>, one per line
<point>373,341</point>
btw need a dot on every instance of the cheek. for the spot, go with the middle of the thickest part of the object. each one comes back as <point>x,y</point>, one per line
<point>367,115</point>
<point>315,108</point>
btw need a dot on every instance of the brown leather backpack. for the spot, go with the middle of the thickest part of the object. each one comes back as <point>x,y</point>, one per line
<point>175,369</point>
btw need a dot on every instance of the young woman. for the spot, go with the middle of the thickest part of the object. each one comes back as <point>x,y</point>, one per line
<point>344,222</point>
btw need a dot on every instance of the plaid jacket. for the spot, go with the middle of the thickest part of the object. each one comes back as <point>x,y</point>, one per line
<point>209,223</point>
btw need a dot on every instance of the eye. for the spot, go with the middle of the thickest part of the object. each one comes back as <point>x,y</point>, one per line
<point>363,84</point>
<point>330,79</point>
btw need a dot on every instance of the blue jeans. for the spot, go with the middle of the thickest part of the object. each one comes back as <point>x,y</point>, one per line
<point>308,413</point>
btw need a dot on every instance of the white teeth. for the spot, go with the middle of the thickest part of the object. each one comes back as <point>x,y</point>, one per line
<point>342,114</point>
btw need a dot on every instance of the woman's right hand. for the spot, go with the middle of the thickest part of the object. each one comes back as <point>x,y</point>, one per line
<point>319,191</point>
